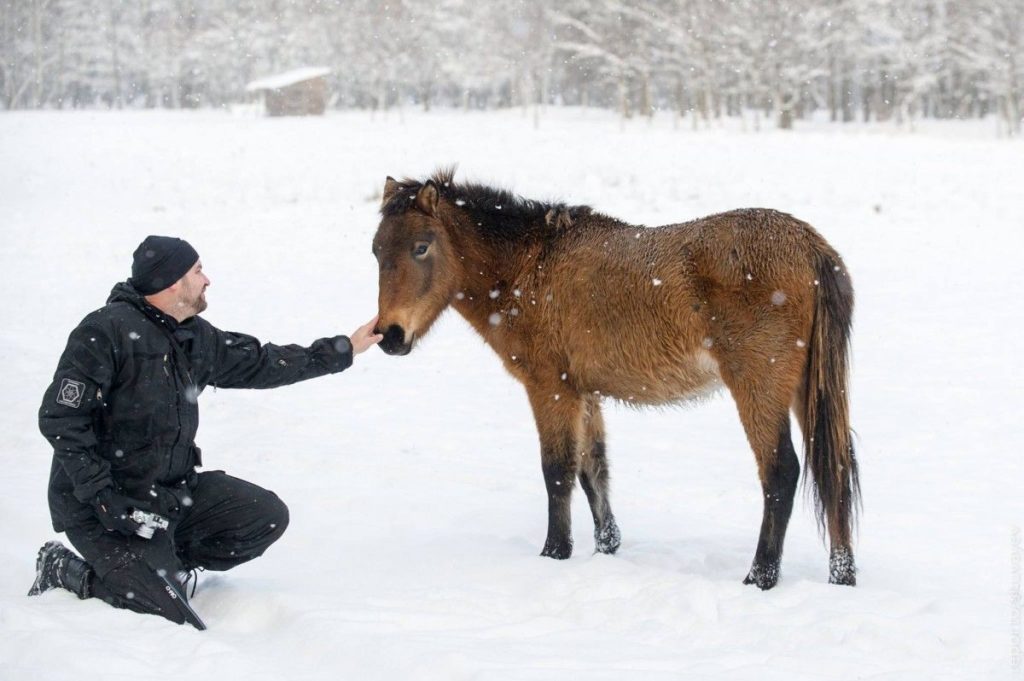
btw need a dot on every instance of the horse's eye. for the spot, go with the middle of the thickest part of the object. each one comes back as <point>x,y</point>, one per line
<point>420,249</point>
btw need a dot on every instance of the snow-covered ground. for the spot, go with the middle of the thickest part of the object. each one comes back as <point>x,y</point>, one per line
<point>417,503</point>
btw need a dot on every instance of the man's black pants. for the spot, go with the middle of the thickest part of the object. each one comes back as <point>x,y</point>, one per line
<point>229,522</point>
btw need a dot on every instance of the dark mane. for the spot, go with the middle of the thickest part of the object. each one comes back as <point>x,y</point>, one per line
<point>497,213</point>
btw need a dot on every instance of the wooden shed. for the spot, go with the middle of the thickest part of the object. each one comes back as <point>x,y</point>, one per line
<point>302,92</point>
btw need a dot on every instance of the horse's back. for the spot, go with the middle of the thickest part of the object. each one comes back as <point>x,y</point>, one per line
<point>650,314</point>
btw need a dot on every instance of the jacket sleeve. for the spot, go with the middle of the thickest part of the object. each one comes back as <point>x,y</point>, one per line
<point>241,361</point>
<point>72,404</point>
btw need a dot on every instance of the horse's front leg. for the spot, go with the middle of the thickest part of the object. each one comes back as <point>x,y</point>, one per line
<point>559,415</point>
<point>593,472</point>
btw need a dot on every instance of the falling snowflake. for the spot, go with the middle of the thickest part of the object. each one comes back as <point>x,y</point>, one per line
<point>495,318</point>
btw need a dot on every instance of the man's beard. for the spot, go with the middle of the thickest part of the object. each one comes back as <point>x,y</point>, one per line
<point>195,305</point>
<point>200,303</point>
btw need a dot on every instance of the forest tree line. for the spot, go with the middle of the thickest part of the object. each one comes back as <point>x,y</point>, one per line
<point>869,60</point>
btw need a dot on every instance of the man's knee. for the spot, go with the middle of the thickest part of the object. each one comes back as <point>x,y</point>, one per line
<point>277,517</point>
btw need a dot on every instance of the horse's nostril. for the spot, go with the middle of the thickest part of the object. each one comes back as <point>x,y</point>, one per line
<point>395,333</point>
<point>394,341</point>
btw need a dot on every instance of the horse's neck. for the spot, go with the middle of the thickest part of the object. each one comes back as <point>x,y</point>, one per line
<point>490,274</point>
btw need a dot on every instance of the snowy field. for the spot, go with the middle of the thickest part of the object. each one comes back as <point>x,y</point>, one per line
<point>417,505</point>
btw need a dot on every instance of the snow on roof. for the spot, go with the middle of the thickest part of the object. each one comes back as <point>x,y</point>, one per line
<point>288,78</point>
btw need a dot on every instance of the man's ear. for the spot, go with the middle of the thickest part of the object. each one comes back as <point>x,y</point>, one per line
<point>391,187</point>
<point>427,198</point>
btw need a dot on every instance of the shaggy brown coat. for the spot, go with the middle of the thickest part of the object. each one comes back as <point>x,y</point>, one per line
<point>581,306</point>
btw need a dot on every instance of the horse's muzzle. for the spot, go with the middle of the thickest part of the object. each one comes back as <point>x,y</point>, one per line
<point>394,341</point>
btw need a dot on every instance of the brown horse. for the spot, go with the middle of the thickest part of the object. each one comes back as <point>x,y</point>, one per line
<point>581,306</point>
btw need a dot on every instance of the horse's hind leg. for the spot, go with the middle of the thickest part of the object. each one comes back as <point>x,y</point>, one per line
<point>594,480</point>
<point>766,422</point>
<point>779,476</point>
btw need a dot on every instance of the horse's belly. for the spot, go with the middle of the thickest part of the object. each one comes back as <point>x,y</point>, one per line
<point>690,376</point>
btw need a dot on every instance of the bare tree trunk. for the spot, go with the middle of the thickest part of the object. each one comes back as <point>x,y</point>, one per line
<point>680,95</point>
<point>525,86</point>
<point>37,47</point>
<point>172,99</point>
<point>784,106</point>
<point>624,105</point>
<point>846,98</point>
<point>6,47</point>
<point>646,101</point>
<point>61,65</point>
<point>833,94</point>
<point>115,60</point>
<point>1011,108</point>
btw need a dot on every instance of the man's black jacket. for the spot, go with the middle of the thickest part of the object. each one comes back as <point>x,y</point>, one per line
<point>123,410</point>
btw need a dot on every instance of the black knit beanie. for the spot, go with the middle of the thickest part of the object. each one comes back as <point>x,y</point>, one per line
<point>160,261</point>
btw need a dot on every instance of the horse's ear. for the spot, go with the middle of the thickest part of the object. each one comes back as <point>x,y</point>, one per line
<point>391,187</point>
<point>427,198</point>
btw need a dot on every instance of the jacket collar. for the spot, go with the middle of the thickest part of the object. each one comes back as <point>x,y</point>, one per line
<point>124,292</point>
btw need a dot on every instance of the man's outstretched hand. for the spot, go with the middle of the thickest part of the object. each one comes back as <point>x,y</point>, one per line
<point>364,337</point>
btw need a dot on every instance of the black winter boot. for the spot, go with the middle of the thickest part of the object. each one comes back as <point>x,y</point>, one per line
<point>58,566</point>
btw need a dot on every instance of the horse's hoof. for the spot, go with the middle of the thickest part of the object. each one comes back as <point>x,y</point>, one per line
<point>841,568</point>
<point>557,550</point>
<point>763,576</point>
<point>607,539</point>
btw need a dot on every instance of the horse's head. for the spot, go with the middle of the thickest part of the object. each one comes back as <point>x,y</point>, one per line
<point>417,265</point>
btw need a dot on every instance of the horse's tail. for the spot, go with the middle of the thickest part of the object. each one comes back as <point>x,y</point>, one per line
<point>829,459</point>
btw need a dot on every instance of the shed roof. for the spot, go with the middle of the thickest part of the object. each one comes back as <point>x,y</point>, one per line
<point>288,78</point>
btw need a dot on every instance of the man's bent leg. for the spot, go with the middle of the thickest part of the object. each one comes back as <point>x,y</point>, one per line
<point>128,572</point>
<point>231,521</point>
<point>138,587</point>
